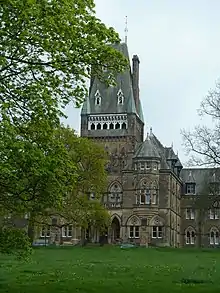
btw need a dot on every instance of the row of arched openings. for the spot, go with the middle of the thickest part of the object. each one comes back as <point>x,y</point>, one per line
<point>105,126</point>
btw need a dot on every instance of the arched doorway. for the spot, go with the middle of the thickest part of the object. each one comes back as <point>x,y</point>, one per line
<point>115,229</point>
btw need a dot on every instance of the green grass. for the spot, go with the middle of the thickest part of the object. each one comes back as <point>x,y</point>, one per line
<point>111,270</point>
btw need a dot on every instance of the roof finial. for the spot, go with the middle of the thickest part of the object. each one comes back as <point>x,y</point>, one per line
<point>126,29</point>
<point>151,133</point>
<point>172,145</point>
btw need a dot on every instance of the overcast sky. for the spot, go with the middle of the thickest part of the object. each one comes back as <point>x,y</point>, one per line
<point>178,43</point>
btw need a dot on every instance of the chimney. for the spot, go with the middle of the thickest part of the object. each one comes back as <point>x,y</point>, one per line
<point>135,79</point>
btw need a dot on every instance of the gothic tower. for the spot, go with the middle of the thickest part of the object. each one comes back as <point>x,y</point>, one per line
<point>112,115</point>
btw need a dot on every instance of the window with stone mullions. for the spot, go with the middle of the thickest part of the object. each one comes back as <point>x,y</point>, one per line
<point>214,237</point>
<point>190,237</point>
<point>214,214</point>
<point>190,214</point>
<point>68,231</point>
<point>190,188</point>
<point>45,232</point>
<point>157,232</point>
<point>134,232</point>
<point>145,196</point>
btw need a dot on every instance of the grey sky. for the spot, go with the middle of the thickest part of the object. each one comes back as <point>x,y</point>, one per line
<point>178,43</point>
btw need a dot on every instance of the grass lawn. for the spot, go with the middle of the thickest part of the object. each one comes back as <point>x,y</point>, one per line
<point>111,270</point>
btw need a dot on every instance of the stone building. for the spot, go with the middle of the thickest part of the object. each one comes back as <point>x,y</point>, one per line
<point>151,198</point>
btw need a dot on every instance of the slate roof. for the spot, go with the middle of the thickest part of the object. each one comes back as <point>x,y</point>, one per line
<point>153,148</point>
<point>109,101</point>
<point>200,176</point>
<point>147,149</point>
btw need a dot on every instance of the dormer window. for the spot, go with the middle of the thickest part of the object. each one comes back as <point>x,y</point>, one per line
<point>120,97</point>
<point>97,98</point>
<point>190,188</point>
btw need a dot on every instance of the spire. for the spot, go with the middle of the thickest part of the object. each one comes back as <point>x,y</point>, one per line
<point>126,29</point>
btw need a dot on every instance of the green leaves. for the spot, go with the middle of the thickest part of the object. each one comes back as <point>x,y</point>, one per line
<point>15,241</point>
<point>47,51</point>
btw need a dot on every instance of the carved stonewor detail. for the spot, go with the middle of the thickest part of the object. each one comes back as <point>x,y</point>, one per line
<point>134,221</point>
<point>157,222</point>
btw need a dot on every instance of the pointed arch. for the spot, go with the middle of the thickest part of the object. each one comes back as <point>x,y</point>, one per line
<point>117,217</point>
<point>134,224</point>
<point>115,192</point>
<point>120,97</point>
<point>156,221</point>
<point>190,235</point>
<point>133,220</point>
<point>98,98</point>
<point>147,192</point>
<point>214,236</point>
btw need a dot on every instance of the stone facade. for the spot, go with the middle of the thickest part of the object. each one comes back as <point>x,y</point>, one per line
<point>150,197</point>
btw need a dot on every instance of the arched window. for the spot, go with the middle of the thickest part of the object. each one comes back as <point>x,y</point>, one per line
<point>157,224</point>
<point>154,195</point>
<point>124,126</point>
<point>111,126</point>
<point>190,236</point>
<point>214,236</point>
<point>97,98</point>
<point>120,97</point>
<point>134,224</point>
<point>147,193</point>
<point>105,126</point>
<point>144,194</point>
<point>115,192</point>
<point>92,126</point>
<point>99,126</point>
<point>117,126</point>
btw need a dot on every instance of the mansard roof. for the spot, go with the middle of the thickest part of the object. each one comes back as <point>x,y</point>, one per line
<point>109,102</point>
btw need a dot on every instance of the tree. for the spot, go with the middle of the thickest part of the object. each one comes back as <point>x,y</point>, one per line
<point>47,50</point>
<point>203,143</point>
<point>82,205</point>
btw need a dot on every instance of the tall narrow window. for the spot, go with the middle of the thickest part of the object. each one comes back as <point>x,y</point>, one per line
<point>148,197</point>
<point>214,236</point>
<point>120,97</point>
<point>111,126</point>
<point>97,98</point>
<point>124,126</point>
<point>190,214</point>
<point>117,126</point>
<point>190,236</point>
<point>214,214</point>
<point>154,196</point>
